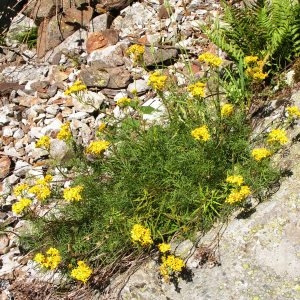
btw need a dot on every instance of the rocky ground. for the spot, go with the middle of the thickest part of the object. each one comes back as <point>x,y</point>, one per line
<point>253,258</point>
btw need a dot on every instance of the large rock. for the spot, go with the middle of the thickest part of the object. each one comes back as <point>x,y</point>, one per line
<point>93,77</point>
<point>52,32</point>
<point>119,77</point>
<point>109,57</point>
<point>102,39</point>
<point>112,4</point>
<point>158,56</point>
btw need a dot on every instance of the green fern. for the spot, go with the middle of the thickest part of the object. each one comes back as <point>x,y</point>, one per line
<point>268,28</point>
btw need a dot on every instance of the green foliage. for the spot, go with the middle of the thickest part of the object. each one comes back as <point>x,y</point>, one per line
<point>157,175</point>
<point>28,36</point>
<point>269,29</point>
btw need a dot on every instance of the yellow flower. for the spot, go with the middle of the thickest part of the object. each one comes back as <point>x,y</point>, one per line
<point>73,193</point>
<point>201,133</point>
<point>97,147</point>
<point>197,89</point>
<point>238,195</point>
<point>293,111</point>
<point>65,132</point>
<point>211,59</point>
<point>174,263</point>
<point>43,142</point>
<point>157,81</point>
<point>20,189</point>
<point>163,247</point>
<point>260,153</point>
<point>82,273</point>
<point>245,191</point>
<point>226,110</point>
<point>164,271</point>
<point>39,258</point>
<point>76,87</point>
<point>277,136</point>
<point>19,206</point>
<point>41,191</point>
<point>49,261</point>
<point>101,127</point>
<point>136,52</point>
<point>235,179</point>
<point>45,180</point>
<point>141,235</point>
<point>250,59</point>
<point>124,101</point>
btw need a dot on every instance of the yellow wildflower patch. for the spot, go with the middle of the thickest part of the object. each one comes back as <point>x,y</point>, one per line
<point>43,142</point>
<point>211,59</point>
<point>293,111</point>
<point>42,192</point>
<point>141,235</point>
<point>238,195</point>
<point>50,260</point>
<point>260,153</point>
<point>65,132</point>
<point>201,133</point>
<point>164,247</point>
<point>157,81</point>
<point>250,59</point>
<point>73,193</point>
<point>20,189</point>
<point>197,89</point>
<point>227,110</point>
<point>277,136</point>
<point>235,179</point>
<point>76,87</point>
<point>136,52</point>
<point>82,273</point>
<point>124,101</point>
<point>19,206</point>
<point>97,147</point>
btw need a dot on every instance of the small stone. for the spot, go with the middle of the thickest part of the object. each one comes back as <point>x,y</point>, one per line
<point>5,164</point>
<point>19,134</point>
<point>93,77</point>
<point>60,151</point>
<point>4,120</point>
<point>4,242</point>
<point>119,77</point>
<point>89,102</point>
<point>7,131</point>
<point>139,86</point>
<point>21,168</point>
<point>78,115</point>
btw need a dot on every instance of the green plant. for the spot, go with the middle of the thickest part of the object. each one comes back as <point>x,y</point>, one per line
<point>28,36</point>
<point>138,184</point>
<point>269,29</point>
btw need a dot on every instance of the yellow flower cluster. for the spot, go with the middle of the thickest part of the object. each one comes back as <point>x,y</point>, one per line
<point>136,52</point>
<point>101,127</point>
<point>49,261</point>
<point>211,59</point>
<point>254,68</point>
<point>42,188</point>
<point>97,147</point>
<point>76,87</point>
<point>197,89</point>
<point>65,132</point>
<point>43,142</point>
<point>170,266</point>
<point>293,112</point>
<point>124,101</point>
<point>82,273</point>
<point>235,179</point>
<point>157,81</point>
<point>73,193</point>
<point>250,59</point>
<point>260,153</point>
<point>201,133</point>
<point>141,234</point>
<point>239,192</point>
<point>277,136</point>
<point>20,189</point>
<point>238,195</point>
<point>19,206</point>
<point>227,110</point>
<point>164,247</point>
